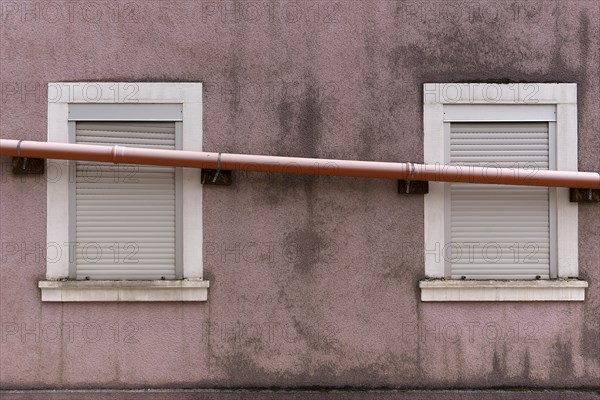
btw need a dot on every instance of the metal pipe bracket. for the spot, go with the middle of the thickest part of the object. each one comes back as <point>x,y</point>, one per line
<point>216,177</point>
<point>28,166</point>
<point>584,195</point>
<point>413,187</point>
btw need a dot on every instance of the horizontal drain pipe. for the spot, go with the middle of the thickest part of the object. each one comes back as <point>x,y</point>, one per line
<point>297,165</point>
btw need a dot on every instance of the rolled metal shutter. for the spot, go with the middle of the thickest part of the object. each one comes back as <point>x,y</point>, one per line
<point>499,231</point>
<point>125,214</point>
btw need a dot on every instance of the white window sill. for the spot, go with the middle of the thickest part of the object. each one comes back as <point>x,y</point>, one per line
<point>179,290</point>
<point>496,290</point>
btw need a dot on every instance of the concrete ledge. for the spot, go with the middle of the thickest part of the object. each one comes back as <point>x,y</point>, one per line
<point>499,290</point>
<point>179,290</point>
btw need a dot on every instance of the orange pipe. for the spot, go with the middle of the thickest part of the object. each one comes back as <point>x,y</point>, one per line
<point>296,165</point>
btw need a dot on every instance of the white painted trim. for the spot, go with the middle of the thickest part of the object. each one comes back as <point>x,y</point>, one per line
<point>57,198</point>
<point>60,95</point>
<point>179,290</point>
<point>470,290</point>
<point>434,230</point>
<point>124,92</point>
<point>125,112</point>
<point>494,93</point>
<point>567,229</point>
<point>192,193</point>
<point>434,201</point>
<point>438,97</point>
<point>499,112</point>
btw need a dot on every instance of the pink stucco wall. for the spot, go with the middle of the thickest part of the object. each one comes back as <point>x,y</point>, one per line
<point>309,78</point>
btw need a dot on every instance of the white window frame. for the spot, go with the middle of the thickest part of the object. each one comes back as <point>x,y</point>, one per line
<point>57,286</point>
<point>478,102</point>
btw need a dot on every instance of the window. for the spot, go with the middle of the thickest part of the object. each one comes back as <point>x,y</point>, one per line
<point>125,232</point>
<point>499,242</point>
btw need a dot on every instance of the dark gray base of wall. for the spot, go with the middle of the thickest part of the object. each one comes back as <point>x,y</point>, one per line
<point>298,395</point>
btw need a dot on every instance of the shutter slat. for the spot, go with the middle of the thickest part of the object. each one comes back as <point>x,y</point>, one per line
<point>124,169</point>
<point>122,140</point>
<point>499,232</point>
<point>125,214</point>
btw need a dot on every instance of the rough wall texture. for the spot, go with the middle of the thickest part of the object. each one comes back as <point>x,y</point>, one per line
<point>313,280</point>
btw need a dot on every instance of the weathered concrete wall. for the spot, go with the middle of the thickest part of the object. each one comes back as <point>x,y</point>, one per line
<point>332,298</point>
<point>241,394</point>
